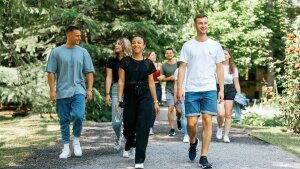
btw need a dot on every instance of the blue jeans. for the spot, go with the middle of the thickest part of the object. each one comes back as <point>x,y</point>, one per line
<point>183,118</point>
<point>114,97</point>
<point>71,108</point>
<point>158,95</point>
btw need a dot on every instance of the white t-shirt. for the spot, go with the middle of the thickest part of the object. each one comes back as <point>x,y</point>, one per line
<point>201,59</point>
<point>228,78</point>
<point>184,81</point>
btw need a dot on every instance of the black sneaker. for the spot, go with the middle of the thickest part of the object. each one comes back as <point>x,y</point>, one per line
<point>203,163</point>
<point>179,124</point>
<point>172,132</point>
<point>193,150</point>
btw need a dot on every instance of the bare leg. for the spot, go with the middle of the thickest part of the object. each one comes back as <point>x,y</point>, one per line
<point>192,126</point>
<point>228,113</point>
<point>178,112</point>
<point>221,114</point>
<point>206,133</point>
<point>170,116</point>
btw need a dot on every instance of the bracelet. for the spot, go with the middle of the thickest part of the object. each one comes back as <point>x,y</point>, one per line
<point>156,101</point>
<point>90,90</point>
<point>107,93</point>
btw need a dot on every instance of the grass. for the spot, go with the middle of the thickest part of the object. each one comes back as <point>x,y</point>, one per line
<point>20,136</point>
<point>286,140</point>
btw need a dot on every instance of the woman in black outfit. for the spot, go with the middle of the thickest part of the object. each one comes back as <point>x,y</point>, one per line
<point>136,80</point>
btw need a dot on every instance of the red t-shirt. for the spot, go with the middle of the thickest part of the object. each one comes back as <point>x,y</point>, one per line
<point>155,75</point>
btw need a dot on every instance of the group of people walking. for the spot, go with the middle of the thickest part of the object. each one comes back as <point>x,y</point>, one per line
<point>194,87</point>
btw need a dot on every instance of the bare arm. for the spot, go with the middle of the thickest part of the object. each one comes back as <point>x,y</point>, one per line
<point>237,84</point>
<point>108,85</point>
<point>51,82</point>
<point>181,76</point>
<point>153,93</point>
<point>220,73</point>
<point>165,79</point>
<point>90,81</point>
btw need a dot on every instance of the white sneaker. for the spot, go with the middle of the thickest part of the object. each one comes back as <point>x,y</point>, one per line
<point>219,133</point>
<point>140,165</point>
<point>77,149</point>
<point>126,154</point>
<point>151,131</point>
<point>66,152</point>
<point>132,153</point>
<point>186,139</point>
<point>226,139</point>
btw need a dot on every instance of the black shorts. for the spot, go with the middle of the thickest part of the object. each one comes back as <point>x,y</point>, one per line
<point>229,91</point>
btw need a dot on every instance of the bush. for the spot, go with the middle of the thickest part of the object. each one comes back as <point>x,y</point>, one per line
<point>253,119</point>
<point>274,122</point>
<point>30,92</point>
<point>96,109</point>
<point>290,101</point>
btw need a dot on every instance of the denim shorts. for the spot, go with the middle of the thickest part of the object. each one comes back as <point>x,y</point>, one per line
<point>197,103</point>
<point>170,99</point>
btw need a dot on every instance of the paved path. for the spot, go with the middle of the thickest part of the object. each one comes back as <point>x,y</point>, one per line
<point>244,152</point>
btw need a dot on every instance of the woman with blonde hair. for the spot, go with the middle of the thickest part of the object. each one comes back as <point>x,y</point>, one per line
<point>231,87</point>
<point>122,49</point>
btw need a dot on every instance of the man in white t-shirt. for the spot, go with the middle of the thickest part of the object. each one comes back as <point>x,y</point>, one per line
<point>201,57</point>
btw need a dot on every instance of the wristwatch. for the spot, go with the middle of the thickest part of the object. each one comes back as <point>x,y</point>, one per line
<point>155,101</point>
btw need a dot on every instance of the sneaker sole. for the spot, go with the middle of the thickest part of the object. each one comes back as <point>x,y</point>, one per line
<point>205,167</point>
<point>66,158</point>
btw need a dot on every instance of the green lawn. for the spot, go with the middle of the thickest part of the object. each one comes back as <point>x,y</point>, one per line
<point>286,140</point>
<point>20,136</point>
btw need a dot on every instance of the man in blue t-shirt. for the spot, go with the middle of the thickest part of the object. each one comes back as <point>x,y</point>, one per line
<point>68,66</point>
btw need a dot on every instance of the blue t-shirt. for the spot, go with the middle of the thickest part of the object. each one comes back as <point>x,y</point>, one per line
<point>69,66</point>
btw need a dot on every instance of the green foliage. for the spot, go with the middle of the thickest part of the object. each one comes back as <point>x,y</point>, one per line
<point>249,28</point>
<point>96,109</point>
<point>31,89</point>
<point>274,122</point>
<point>254,119</point>
<point>290,101</point>
<point>252,29</point>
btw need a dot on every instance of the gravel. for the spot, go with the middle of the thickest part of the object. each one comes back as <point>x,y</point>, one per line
<point>163,151</point>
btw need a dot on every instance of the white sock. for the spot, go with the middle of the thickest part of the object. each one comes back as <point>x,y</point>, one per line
<point>66,146</point>
<point>76,140</point>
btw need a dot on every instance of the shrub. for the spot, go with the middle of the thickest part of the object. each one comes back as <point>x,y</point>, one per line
<point>96,109</point>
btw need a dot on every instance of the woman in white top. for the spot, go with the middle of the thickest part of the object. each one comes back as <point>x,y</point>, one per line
<point>231,87</point>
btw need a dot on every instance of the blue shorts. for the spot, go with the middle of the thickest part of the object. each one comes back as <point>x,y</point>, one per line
<point>201,102</point>
<point>170,99</point>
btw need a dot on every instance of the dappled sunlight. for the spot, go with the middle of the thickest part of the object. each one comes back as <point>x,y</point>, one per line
<point>51,128</point>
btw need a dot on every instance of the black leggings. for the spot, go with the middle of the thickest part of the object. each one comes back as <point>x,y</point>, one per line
<point>137,119</point>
